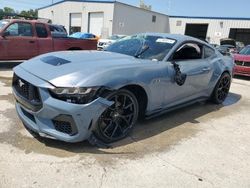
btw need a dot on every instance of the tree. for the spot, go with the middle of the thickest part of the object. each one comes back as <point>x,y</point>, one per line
<point>30,13</point>
<point>7,11</point>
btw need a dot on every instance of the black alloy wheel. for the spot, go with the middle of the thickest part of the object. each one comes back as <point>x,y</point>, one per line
<point>118,120</point>
<point>222,89</point>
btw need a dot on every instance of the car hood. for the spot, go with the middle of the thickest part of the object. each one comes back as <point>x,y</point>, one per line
<point>239,57</point>
<point>78,68</point>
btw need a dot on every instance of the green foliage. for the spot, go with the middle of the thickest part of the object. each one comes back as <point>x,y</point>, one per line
<point>29,13</point>
<point>7,11</point>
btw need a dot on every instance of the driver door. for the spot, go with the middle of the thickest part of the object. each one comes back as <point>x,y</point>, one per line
<point>20,42</point>
<point>190,59</point>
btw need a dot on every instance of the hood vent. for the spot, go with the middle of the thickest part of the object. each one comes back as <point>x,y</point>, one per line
<point>55,61</point>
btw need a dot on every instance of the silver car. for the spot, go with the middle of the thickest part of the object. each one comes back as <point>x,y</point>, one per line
<point>99,95</point>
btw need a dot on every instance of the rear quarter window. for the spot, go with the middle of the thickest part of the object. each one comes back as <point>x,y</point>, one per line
<point>208,52</point>
<point>41,31</point>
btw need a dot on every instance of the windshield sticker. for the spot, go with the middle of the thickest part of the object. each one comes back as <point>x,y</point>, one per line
<point>162,40</point>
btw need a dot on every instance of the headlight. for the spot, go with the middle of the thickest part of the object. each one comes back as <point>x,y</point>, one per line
<point>76,95</point>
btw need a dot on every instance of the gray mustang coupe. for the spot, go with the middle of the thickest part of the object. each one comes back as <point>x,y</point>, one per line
<point>98,96</point>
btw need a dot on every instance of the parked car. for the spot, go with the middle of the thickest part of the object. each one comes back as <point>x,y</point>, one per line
<point>242,61</point>
<point>104,43</point>
<point>215,45</point>
<point>239,45</point>
<point>227,49</point>
<point>58,31</point>
<point>99,95</point>
<point>24,39</point>
<point>80,35</point>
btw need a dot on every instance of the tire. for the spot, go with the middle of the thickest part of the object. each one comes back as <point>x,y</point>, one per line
<point>118,120</point>
<point>221,89</point>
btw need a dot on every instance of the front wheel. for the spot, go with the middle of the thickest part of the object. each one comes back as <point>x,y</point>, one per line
<point>221,89</point>
<point>117,121</point>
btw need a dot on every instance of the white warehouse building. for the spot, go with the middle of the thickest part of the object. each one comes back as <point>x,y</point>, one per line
<point>104,18</point>
<point>212,29</point>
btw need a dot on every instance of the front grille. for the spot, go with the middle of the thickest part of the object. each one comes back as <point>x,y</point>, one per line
<point>26,93</point>
<point>63,126</point>
<point>242,63</point>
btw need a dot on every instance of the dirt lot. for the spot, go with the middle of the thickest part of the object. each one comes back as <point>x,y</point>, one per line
<point>203,145</point>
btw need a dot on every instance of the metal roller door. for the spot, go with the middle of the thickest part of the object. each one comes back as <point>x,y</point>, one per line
<point>96,23</point>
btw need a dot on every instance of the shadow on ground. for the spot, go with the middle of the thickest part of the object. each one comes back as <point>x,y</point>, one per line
<point>148,135</point>
<point>8,65</point>
<point>247,78</point>
<point>159,132</point>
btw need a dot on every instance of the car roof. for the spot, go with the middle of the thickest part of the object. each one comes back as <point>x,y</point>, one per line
<point>177,37</point>
<point>23,20</point>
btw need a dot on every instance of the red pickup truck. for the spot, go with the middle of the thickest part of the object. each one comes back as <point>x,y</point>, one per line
<point>24,39</point>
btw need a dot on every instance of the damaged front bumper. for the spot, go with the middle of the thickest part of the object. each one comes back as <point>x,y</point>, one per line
<point>58,119</point>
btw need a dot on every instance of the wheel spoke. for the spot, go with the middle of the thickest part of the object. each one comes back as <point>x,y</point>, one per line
<point>124,102</point>
<point>108,126</point>
<point>129,105</point>
<point>118,119</point>
<point>115,129</point>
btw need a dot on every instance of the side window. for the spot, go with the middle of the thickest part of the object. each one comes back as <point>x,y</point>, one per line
<point>188,51</point>
<point>41,31</point>
<point>20,29</point>
<point>208,52</point>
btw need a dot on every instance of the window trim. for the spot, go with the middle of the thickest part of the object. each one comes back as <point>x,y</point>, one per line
<point>187,42</point>
<point>20,22</point>
<point>209,48</point>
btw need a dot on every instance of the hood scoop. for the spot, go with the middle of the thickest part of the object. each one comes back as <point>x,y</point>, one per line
<point>55,61</point>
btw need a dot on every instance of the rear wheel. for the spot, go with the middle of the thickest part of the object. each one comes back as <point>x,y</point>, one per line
<point>221,89</point>
<point>118,120</point>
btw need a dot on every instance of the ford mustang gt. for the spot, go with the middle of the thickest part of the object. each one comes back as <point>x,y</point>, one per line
<point>99,95</point>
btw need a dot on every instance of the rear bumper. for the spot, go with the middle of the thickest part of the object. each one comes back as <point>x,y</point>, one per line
<point>76,122</point>
<point>241,70</point>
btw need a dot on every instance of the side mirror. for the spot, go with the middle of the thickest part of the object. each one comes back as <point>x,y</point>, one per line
<point>6,33</point>
<point>179,77</point>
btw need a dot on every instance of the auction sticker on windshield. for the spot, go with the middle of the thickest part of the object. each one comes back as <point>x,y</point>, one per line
<point>162,40</point>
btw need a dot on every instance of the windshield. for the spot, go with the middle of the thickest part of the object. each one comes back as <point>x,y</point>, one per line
<point>3,23</point>
<point>143,46</point>
<point>245,51</point>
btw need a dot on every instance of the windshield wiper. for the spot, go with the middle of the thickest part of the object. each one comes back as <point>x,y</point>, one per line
<point>145,48</point>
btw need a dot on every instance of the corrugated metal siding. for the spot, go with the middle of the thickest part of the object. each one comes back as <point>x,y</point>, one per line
<point>214,27</point>
<point>130,20</point>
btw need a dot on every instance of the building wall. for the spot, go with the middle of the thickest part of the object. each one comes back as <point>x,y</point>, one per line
<point>60,14</point>
<point>217,28</point>
<point>130,20</point>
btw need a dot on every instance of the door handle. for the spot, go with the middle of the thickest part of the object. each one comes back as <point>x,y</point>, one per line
<point>206,69</point>
<point>31,41</point>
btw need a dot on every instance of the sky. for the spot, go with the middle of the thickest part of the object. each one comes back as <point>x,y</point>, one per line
<point>203,8</point>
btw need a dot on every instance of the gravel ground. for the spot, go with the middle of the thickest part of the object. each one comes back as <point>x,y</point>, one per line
<point>203,145</point>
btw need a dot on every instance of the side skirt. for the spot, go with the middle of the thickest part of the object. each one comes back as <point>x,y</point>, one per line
<point>165,110</point>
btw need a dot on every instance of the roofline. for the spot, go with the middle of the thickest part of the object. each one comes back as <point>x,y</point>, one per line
<point>140,8</point>
<point>81,1</point>
<point>213,18</point>
<point>96,1</point>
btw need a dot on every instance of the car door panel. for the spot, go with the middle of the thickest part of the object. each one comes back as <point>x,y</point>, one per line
<point>198,76</point>
<point>21,42</point>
